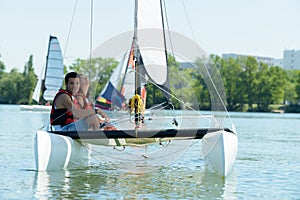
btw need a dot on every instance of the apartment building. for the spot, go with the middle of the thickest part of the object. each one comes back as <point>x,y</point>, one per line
<point>291,59</point>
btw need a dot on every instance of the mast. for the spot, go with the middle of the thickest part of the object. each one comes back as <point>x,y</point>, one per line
<point>137,114</point>
<point>43,87</point>
<point>167,87</point>
<point>136,54</point>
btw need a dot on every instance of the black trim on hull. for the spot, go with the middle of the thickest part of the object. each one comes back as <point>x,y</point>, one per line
<point>168,133</point>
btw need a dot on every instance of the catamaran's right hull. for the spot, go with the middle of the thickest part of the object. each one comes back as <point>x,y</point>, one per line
<point>219,150</point>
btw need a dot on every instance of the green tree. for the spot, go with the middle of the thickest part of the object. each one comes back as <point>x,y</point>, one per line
<point>9,85</point>
<point>231,71</point>
<point>298,85</point>
<point>290,94</point>
<point>154,94</point>
<point>199,86</point>
<point>27,82</point>
<point>250,67</point>
<point>264,97</point>
<point>212,80</point>
<point>278,84</point>
<point>2,68</point>
<point>98,70</point>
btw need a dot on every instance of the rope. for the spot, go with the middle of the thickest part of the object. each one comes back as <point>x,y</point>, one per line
<point>188,19</point>
<point>210,78</point>
<point>91,34</point>
<point>72,19</point>
<point>168,28</point>
<point>136,101</point>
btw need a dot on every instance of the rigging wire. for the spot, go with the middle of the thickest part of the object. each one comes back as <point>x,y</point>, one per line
<point>95,153</point>
<point>209,75</point>
<point>189,21</point>
<point>168,28</point>
<point>70,28</point>
<point>175,97</point>
<point>91,34</point>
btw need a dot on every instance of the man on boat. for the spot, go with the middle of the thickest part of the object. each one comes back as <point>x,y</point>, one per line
<point>65,111</point>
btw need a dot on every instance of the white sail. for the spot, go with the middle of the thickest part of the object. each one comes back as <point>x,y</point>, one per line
<point>38,87</point>
<point>54,69</point>
<point>151,40</point>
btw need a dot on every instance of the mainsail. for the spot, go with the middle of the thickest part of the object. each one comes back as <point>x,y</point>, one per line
<point>146,60</point>
<point>151,40</point>
<point>51,78</point>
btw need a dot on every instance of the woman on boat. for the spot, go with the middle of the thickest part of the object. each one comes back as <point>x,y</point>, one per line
<point>65,111</point>
<point>85,103</point>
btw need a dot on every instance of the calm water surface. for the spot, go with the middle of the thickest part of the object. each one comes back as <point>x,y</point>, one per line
<point>267,166</point>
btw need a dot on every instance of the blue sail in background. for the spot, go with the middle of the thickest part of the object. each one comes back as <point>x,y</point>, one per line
<point>113,95</point>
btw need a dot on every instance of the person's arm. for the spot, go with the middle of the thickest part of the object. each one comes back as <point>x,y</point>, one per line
<point>103,114</point>
<point>64,101</point>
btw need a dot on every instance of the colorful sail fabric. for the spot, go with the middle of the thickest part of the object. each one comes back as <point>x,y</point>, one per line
<point>128,79</point>
<point>103,103</point>
<point>112,94</point>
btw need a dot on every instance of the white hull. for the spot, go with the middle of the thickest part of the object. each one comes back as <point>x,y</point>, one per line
<point>57,152</point>
<point>219,150</point>
<point>37,108</point>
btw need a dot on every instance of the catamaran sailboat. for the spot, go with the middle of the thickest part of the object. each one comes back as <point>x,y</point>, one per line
<point>147,62</point>
<point>51,78</point>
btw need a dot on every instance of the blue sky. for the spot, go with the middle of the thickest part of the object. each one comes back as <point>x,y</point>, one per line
<point>254,27</point>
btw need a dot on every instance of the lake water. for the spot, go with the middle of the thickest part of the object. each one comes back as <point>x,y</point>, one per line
<point>267,166</point>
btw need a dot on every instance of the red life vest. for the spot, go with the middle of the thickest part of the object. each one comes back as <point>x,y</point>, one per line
<point>62,116</point>
<point>88,105</point>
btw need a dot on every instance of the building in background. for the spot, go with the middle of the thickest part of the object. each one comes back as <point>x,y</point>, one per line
<point>268,60</point>
<point>291,59</point>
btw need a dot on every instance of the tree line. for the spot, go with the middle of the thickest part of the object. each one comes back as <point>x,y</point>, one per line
<point>244,84</point>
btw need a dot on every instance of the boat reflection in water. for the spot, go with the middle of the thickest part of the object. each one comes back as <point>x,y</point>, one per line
<point>120,182</point>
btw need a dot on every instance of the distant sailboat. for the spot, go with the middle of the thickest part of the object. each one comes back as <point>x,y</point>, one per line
<point>50,79</point>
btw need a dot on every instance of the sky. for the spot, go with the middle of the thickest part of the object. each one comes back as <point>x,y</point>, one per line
<point>250,27</point>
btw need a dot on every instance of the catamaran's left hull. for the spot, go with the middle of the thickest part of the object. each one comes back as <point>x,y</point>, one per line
<point>57,152</point>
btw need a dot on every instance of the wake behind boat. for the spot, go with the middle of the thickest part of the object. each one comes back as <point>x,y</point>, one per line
<point>146,63</point>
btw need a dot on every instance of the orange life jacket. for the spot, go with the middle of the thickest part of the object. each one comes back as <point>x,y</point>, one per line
<point>88,105</point>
